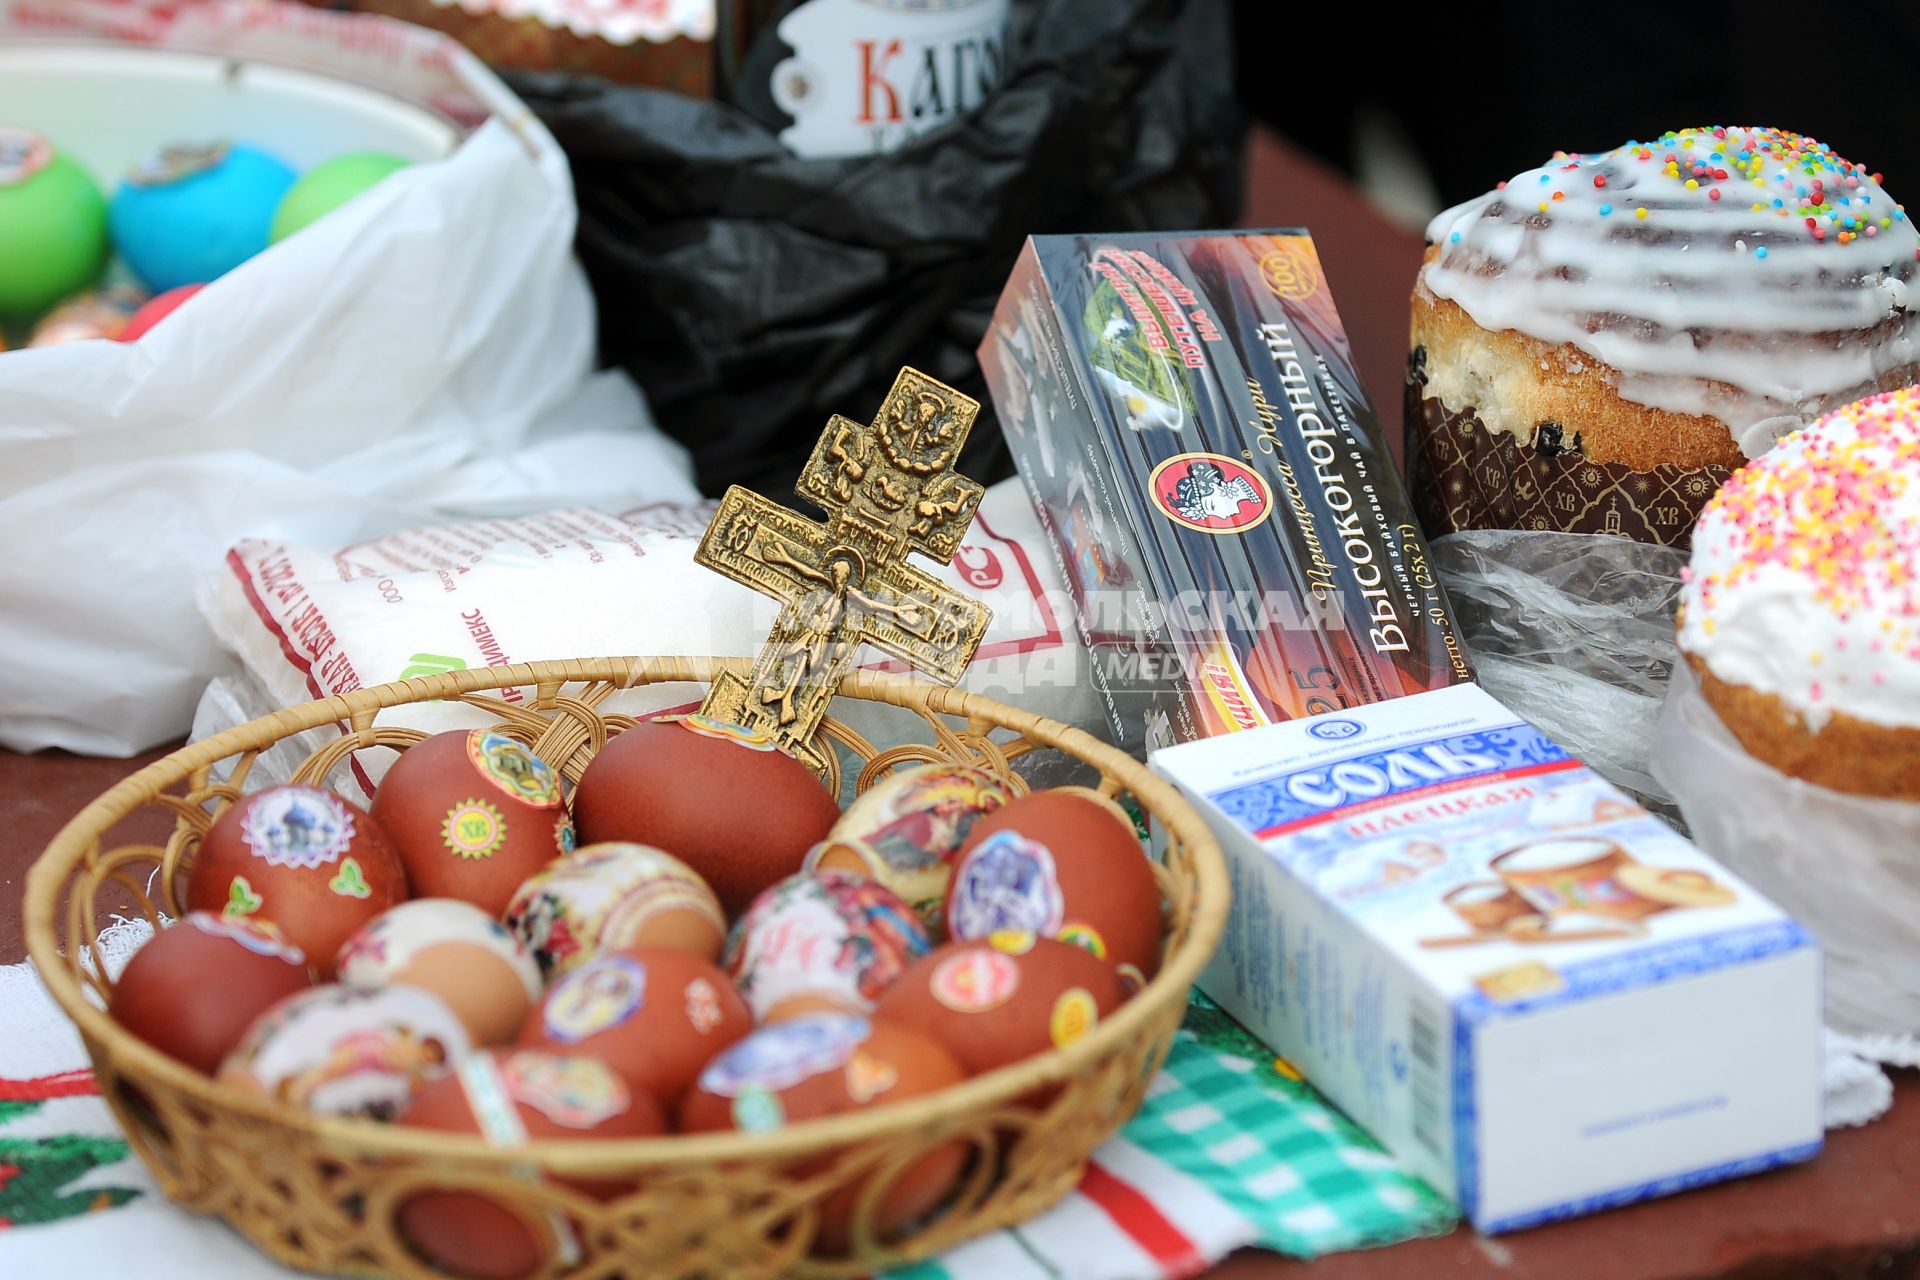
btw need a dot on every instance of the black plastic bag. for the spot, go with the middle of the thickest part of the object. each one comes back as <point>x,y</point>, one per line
<point>753,294</point>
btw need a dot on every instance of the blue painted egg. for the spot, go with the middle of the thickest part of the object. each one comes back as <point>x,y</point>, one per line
<point>190,213</point>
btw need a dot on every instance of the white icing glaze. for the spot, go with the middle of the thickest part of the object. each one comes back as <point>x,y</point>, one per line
<point>619,22</point>
<point>1803,580</point>
<point>1716,284</point>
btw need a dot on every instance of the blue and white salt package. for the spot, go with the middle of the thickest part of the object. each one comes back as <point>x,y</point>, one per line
<point>1539,996</point>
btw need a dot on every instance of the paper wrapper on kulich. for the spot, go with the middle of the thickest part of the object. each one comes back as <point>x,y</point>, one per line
<point>1463,476</point>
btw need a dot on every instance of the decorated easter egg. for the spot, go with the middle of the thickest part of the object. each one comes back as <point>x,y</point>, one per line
<point>510,1097</point>
<point>191,212</point>
<point>456,951</point>
<point>192,991</point>
<point>1062,864</point>
<point>831,940</point>
<point>656,1015</point>
<point>154,310</point>
<point>721,799</point>
<point>102,314</point>
<point>828,1064</point>
<point>606,896</point>
<point>53,225</point>
<point>312,864</point>
<point>327,186</point>
<point>343,1052</point>
<point>473,814</point>
<point>905,830</point>
<point>1008,996</point>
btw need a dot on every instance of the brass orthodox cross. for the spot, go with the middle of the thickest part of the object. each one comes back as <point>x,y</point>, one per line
<point>889,489</point>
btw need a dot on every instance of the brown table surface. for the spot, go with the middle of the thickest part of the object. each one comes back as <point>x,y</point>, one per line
<point>1853,1212</point>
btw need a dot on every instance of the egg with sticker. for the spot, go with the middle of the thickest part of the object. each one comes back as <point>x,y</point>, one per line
<point>190,212</point>
<point>512,1097</point>
<point>722,799</point>
<point>473,813</point>
<point>829,1064</point>
<point>606,896</point>
<point>1064,864</point>
<point>831,940</point>
<point>308,862</point>
<point>905,830</point>
<point>656,1015</point>
<point>192,990</point>
<point>1008,996</point>
<point>342,1052</point>
<point>454,950</point>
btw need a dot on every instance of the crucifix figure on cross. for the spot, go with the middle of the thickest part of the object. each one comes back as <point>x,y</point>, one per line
<point>889,490</point>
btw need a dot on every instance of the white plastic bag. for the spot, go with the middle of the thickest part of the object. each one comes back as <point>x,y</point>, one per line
<point>1843,864</point>
<point>1573,631</point>
<point>424,352</point>
<point>578,582</point>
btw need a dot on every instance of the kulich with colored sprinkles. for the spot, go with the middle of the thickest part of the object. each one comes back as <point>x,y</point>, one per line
<point>1801,607</point>
<point>1667,308</point>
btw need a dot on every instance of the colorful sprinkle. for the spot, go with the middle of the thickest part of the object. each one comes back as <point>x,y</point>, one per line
<point>1833,508</point>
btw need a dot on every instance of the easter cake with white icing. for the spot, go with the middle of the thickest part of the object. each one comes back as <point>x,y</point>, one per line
<point>1800,610</point>
<point>1597,343</point>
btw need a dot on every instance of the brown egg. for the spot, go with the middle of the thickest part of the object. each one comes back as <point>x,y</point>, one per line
<point>192,990</point>
<point>824,1065</point>
<point>1061,864</point>
<point>1003,998</point>
<point>473,813</point>
<point>343,1052</point>
<point>905,830</point>
<point>604,896</point>
<point>828,941</point>
<point>511,1097</point>
<point>720,799</point>
<point>314,865</point>
<point>654,1014</point>
<point>456,951</point>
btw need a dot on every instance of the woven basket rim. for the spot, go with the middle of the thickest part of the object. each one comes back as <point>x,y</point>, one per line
<point>977,1095</point>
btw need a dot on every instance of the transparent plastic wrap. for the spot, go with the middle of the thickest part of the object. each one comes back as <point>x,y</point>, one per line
<point>1575,632</point>
<point>1843,864</point>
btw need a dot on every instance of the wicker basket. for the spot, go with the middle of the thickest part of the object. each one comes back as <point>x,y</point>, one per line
<point>321,1194</point>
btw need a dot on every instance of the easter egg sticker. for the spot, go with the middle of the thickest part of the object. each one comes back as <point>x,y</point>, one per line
<point>508,764</point>
<point>868,1077</point>
<point>1074,1015</point>
<point>782,1055</point>
<point>473,829</point>
<point>601,995</point>
<point>242,901</point>
<point>256,936</point>
<point>708,727</point>
<point>177,161</point>
<point>351,882</point>
<point>757,1111</point>
<point>301,827</point>
<point>974,981</point>
<point>23,153</point>
<point>580,1093</point>
<point>1086,937</point>
<point>703,1006</point>
<point>1006,882</point>
<point>488,1099</point>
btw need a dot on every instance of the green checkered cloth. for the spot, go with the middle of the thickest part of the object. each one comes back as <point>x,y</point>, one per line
<point>1231,1149</point>
<point>1309,1178</point>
